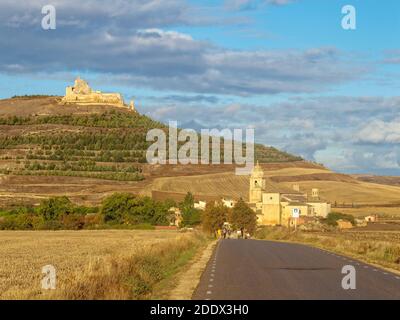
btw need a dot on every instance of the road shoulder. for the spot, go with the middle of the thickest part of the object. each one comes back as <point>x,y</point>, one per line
<point>189,279</point>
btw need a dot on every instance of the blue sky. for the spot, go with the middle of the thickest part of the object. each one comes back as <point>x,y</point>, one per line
<point>286,68</point>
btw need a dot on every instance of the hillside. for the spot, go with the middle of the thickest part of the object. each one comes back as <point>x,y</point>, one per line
<point>339,189</point>
<point>85,151</point>
<point>89,152</point>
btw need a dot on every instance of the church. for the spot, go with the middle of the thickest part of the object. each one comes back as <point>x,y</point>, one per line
<point>274,205</point>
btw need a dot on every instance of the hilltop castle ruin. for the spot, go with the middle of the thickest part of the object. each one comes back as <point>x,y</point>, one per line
<point>82,93</point>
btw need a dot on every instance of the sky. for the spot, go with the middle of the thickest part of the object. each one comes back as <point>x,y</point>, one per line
<point>286,68</point>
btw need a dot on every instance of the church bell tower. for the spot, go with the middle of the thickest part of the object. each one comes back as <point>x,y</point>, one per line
<point>257,184</point>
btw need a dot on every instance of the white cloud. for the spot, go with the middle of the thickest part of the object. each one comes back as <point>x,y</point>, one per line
<point>379,131</point>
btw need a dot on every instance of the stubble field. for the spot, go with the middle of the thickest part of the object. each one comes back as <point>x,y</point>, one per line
<point>106,264</point>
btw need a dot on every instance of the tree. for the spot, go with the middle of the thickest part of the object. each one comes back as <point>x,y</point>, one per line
<point>54,208</point>
<point>127,208</point>
<point>242,216</point>
<point>214,216</point>
<point>190,215</point>
<point>116,207</point>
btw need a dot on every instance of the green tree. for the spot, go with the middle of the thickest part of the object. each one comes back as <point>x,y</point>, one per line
<point>54,208</point>
<point>243,217</point>
<point>127,208</point>
<point>214,217</point>
<point>190,215</point>
<point>115,207</point>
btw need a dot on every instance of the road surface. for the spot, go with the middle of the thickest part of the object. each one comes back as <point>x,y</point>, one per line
<point>264,270</point>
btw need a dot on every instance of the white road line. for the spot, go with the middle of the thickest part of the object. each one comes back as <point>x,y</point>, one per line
<point>397,277</point>
<point>209,292</point>
<point>210,286</point>
<point>211,280</point>
<point>366,267</point>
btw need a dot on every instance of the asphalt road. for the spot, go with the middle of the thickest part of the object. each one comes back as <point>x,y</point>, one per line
<point>265,270</point>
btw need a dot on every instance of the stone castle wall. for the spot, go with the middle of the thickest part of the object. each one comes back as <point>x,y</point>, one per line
<point>81,93</point>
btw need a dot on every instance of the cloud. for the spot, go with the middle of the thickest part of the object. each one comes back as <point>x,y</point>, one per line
<point>169,60</point>
<point>96,13</point>
<point>253,4</point>
<point>392,57</point>
<point>380,132</point>
<point>131,41</point>
<point>350,134</point>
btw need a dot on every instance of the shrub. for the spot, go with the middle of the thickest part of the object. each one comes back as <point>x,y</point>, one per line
<point>116,206</point>
<point>73,221</point>
<point>333,217</point>
<point>93,221</point>
<point>53,208</point>
<point>125,208</point>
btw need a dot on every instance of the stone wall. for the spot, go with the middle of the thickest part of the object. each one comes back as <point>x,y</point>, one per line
<point>81,93</point>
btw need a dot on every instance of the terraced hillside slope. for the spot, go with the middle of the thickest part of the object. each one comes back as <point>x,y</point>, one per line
<point>84,152</point>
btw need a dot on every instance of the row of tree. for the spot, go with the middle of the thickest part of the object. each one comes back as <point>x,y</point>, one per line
<point>125,209</point>
<point>216,214</point>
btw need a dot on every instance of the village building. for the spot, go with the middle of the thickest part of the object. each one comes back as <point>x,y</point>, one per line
<point>229,203</point>
<point>81,93</point>
<point>274,205</point>
<point>201,205</point>
<point>371,218</point>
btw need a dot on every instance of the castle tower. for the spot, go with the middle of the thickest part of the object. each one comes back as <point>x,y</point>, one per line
<point>132,105</point>
<point>81,86</point>
<point>257,184</point>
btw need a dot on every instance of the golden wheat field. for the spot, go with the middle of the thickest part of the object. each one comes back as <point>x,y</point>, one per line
<point>332,187</point>
<point>74,254</point>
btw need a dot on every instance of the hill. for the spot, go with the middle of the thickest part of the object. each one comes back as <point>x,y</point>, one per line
<point>47,148</point>
<point>89,152</point>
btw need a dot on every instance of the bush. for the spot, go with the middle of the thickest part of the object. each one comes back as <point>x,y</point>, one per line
<point>53,208</point>
<point>73,221</point>
<point>120,210</point>
<point>333,217</point>
<point>93,221</point>
<point>116,207</point>
<point>125,208</point>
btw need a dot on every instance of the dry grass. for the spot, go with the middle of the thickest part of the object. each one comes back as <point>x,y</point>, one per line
<point>357,192</point>
<point>381,248</point>
<point>365,211</point>
<point>228,184</point>
<point>119,264</point>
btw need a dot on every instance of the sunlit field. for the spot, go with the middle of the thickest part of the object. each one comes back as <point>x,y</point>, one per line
<point>89,264</point>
